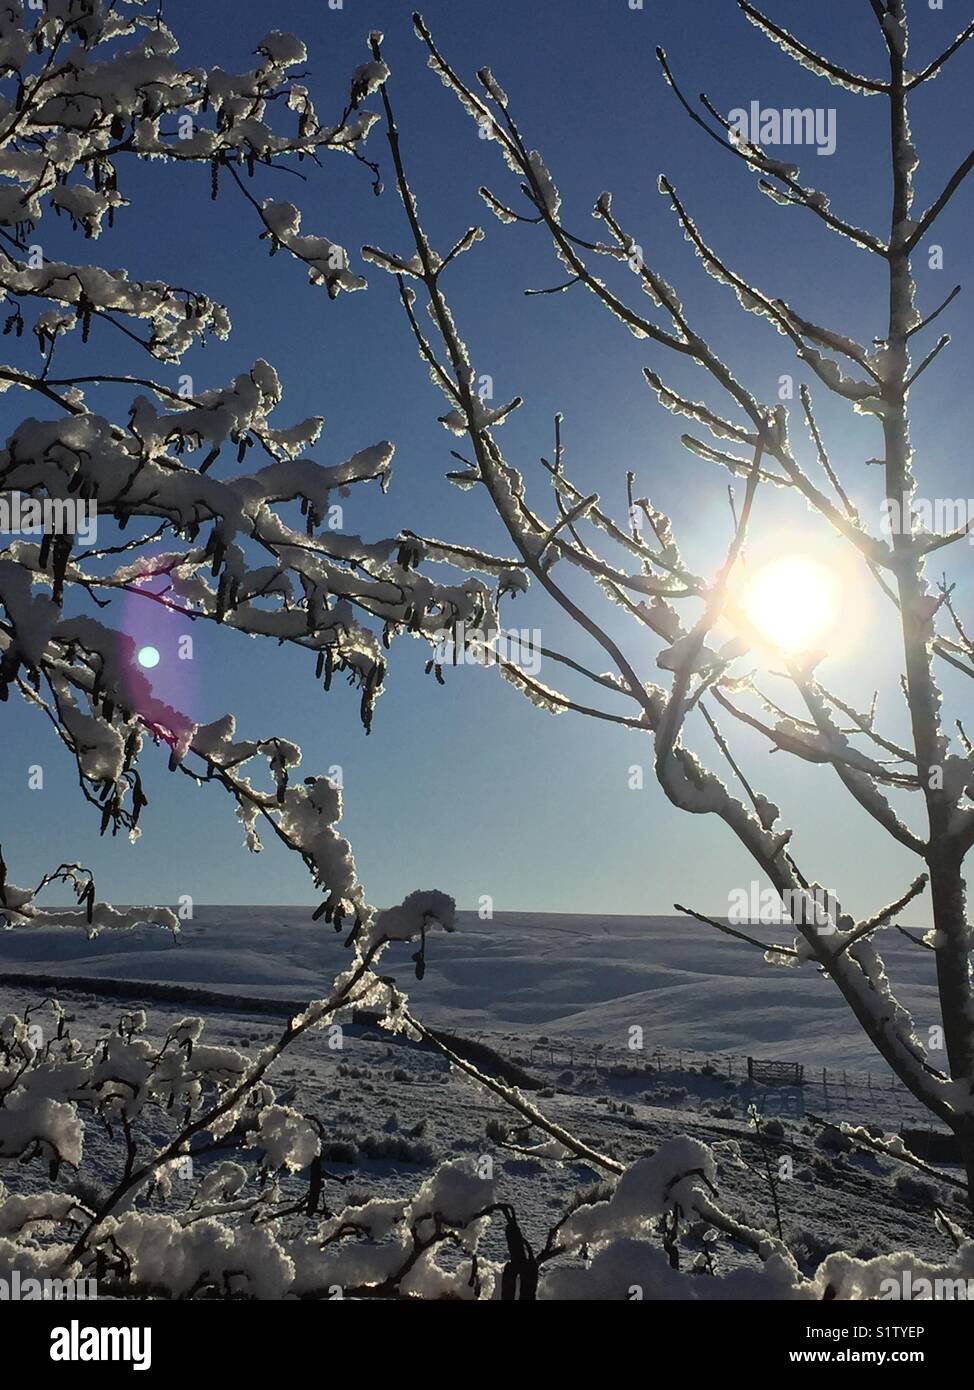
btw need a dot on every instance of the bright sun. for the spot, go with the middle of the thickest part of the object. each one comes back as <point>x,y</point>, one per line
<point>794,602</point>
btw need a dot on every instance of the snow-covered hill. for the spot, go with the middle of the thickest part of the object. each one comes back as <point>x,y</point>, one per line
<point>690,989</point>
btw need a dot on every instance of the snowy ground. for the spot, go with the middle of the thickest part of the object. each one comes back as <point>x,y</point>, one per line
<point>394,1109</point>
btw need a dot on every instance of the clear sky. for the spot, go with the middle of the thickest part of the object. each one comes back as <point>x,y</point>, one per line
<point>467,787</point>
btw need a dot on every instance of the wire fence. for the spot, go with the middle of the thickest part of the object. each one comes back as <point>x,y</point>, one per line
<point>826,1090</point>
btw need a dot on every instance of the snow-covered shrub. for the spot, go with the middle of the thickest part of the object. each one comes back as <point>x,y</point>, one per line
<point>810,1248</point>
<point>918,1189</point>
<point>396,1148</point>
<point>834,1140</point>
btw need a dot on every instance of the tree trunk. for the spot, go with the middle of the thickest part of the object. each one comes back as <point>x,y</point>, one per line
<point>944,855</point>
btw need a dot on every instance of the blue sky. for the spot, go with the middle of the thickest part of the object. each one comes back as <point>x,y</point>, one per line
<point>467,787</point>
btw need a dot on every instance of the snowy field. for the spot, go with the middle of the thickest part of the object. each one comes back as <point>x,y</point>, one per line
<point>690,989</point>
<point>393,1110</point>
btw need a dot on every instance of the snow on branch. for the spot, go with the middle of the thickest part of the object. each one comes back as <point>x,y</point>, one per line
<point>809,59</point>
<point>781,182</point>
<point>933,68</point>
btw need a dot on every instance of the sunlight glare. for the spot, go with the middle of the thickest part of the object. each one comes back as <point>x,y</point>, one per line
<point>794,602</point>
